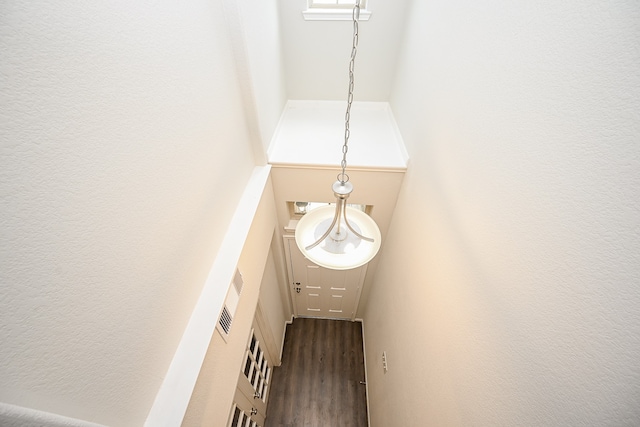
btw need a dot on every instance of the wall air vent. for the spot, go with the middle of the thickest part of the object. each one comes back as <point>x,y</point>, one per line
<point>238,282</point>
<point>230,306</point>
<point>225,320</point>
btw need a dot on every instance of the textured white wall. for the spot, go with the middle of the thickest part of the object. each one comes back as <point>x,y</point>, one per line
<point>316,53</point>
<point>18,416</point>
<point>123,152</point>
<point>508,291</point>
<point>261,28</point>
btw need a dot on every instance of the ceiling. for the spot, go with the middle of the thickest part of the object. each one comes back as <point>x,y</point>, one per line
<point>316,53</point>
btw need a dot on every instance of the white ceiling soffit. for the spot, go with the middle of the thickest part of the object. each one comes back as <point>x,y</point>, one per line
<point>316,53</point>
<point>311,133</point>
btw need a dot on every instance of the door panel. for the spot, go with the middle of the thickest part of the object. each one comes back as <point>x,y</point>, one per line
<point>336,304</point>
<point>313,299</point>
<point>314,272</point>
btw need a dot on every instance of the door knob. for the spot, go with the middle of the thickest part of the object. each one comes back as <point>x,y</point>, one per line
<point>254,411</point>
<point>256,395</point>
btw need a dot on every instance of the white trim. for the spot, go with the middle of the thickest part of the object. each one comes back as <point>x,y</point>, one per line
<point>280,259</point>
<point>396,130</point>
<point>363,275</point>
<point>402,169</point>
<point>366,376</point>
<point>321,14</point>
<point>286,322</point>
<point>172,399</point>
<point>342,319</point>
<point>286,240</point>
<point>265,329</point>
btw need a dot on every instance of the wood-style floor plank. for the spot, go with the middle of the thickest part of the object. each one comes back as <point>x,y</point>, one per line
<point>318,384</point>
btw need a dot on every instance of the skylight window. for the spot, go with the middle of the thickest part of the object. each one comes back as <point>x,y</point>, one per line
<point>334,10</point>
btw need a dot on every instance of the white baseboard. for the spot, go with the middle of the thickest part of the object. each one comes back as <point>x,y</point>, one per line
<point>366,376</point>
<point>286,322</point>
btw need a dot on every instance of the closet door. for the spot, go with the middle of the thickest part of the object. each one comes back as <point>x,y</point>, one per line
<point>254,383</point>
<point>243,414</point>
<point>255,378</point>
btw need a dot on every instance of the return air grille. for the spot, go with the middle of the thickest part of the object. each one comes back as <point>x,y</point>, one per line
<point>238,282</point>
<point>230,305</point>
<point>225,320</point>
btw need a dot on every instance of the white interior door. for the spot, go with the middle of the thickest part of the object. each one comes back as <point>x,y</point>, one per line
<point>243,413</point>
<point>255,378</point>
<point>320,292</point>
<point>254,383</point>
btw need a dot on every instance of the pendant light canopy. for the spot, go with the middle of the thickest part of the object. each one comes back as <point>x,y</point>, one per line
<point>340,237</point>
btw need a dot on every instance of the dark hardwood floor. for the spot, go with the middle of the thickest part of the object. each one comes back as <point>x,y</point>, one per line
<point>318,384</point>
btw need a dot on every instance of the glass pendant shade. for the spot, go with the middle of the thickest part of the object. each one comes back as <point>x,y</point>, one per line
<point>342,249</point>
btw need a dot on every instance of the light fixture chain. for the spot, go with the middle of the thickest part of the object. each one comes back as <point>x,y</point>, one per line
<point>343,177</point>
<point>343,247</point>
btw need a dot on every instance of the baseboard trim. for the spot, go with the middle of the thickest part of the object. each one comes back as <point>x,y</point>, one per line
<point>286,322</point>
<point>366,375</point>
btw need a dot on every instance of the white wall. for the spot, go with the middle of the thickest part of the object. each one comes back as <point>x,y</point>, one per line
<point>255,39</point>
<point>264,53</point>
<point>507,290</point>
<point>316,53</point>
<point>123,153</point>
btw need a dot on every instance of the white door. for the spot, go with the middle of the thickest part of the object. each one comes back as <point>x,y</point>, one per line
<point>254,383</point>
<point>320,292</point>
<point>243,413</point>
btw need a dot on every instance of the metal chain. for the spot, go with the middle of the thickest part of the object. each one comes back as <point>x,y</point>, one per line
<point>343,177</point>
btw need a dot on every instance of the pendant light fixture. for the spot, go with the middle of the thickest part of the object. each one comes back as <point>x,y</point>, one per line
<point>340,237</point>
